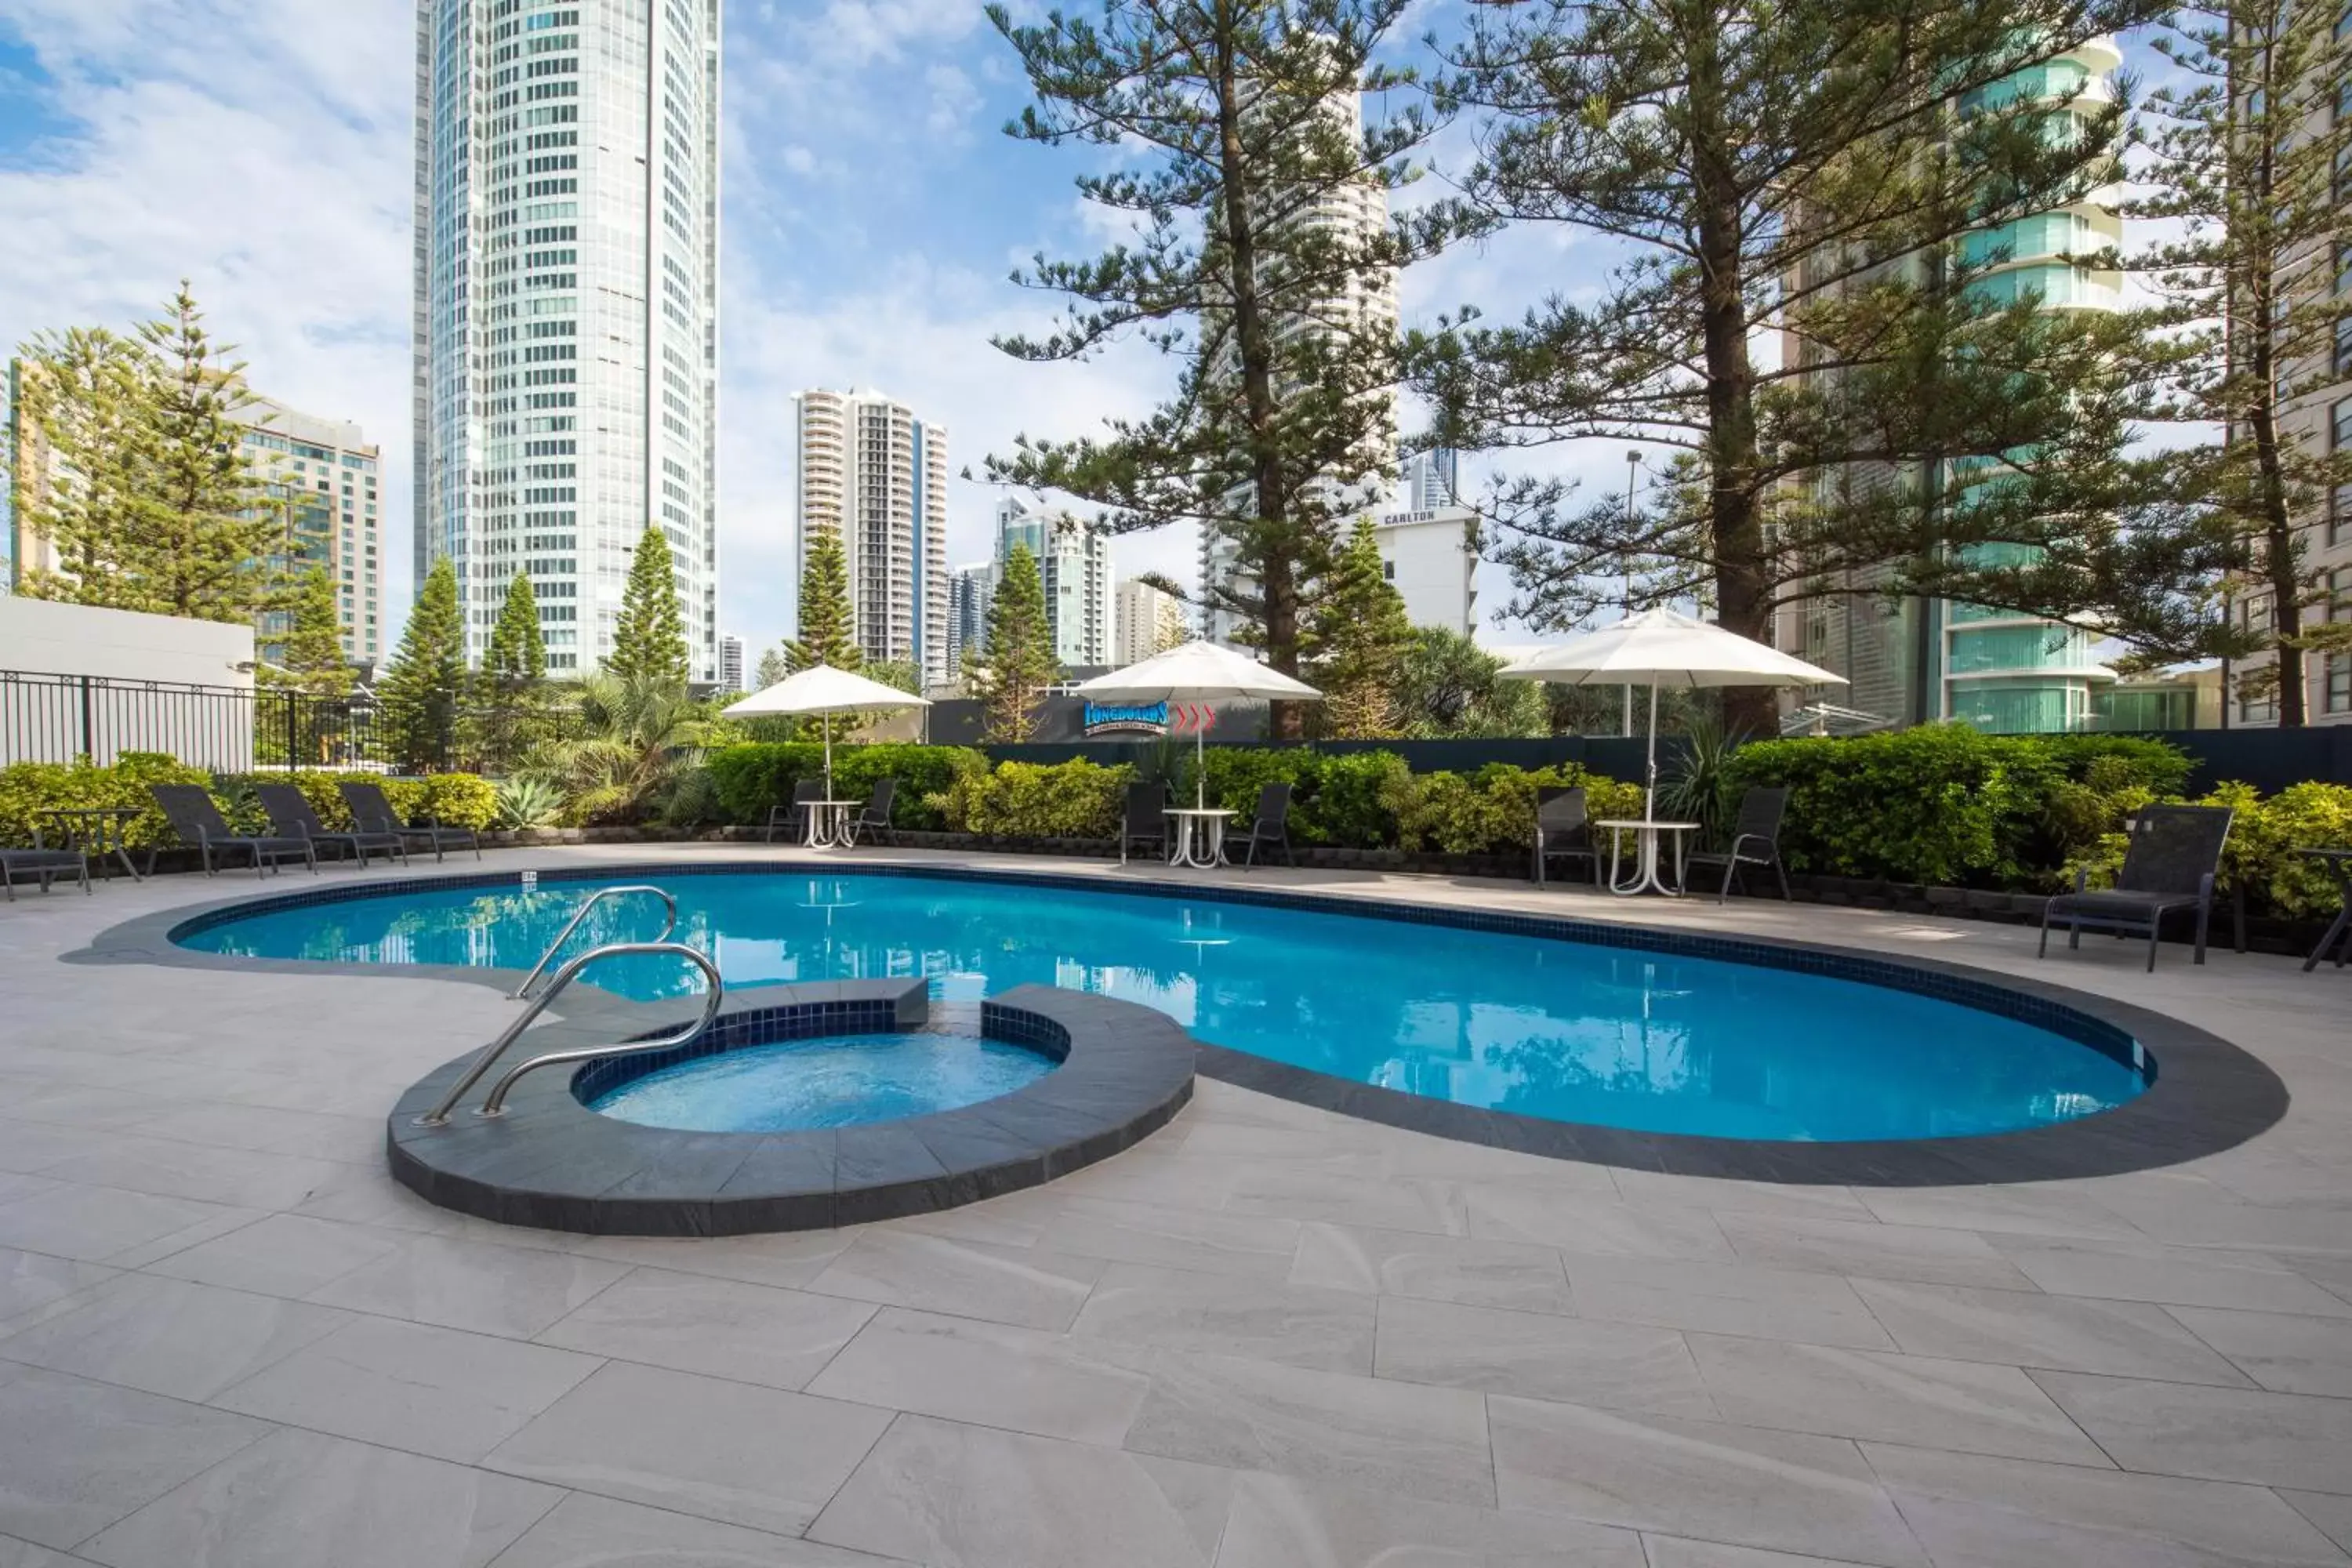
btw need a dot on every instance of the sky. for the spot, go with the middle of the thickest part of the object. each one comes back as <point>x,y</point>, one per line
<point>873,211</point>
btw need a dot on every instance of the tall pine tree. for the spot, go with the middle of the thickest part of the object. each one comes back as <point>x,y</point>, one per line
<point>1361,637</point>
<point>1017,664</point>
<point>424,685</point>
<point>518,656</point>
<point>1813,166</point>
<point>774,665</point>
<point>312,659</point>
<point>649,640</point>
<point>828,633</point>
<point>1237,136</point>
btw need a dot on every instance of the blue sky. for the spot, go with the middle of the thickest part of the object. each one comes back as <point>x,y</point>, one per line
<point>263,149</point>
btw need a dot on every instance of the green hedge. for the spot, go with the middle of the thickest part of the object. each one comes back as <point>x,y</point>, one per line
<point>1076,799</point>
<point>1335,800</point>
<point>753,778</point>
<point>28,789</point>
<point>1492,811</point>
<point>1948,806</point>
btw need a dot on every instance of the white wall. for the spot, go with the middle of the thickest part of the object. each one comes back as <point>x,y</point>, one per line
<point>1430,561</point>
<point>49,721</point>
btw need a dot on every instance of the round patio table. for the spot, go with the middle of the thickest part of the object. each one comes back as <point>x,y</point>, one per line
<point>1645,831</point>
<point>828,823</point>
<point>98,831</point>
<point>2340,862</point>
<point>1200,836</point>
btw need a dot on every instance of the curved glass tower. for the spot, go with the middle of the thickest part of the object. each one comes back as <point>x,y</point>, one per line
<point>567,307</point>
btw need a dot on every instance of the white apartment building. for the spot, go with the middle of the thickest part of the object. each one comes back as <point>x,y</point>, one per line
<point>876,478</point>
<point>567,307</point>
<point>1074,560</point>
<point>1429,480</point>
<point>326,473</point>
<point>1429,556</point>
<point>1151,621</point>
<point>731,662</point>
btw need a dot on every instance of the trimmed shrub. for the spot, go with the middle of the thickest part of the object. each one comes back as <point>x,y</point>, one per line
<point>1076,799</point>
<point>28,789</point>
<point>1492,811</point>
<point>455,800</point>
<point>1335,800</point>
<point>752,778</point>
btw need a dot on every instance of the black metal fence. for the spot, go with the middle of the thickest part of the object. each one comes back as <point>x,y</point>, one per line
<point>228,729</point>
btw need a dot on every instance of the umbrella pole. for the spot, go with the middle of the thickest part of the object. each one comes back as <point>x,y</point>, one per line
<point>1200,767</point>
<point>1649,796</point>
<point>828,756</point>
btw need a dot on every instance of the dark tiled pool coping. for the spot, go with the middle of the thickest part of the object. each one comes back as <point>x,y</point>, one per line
<point>552,1163</point>
<point>2205,1094</point>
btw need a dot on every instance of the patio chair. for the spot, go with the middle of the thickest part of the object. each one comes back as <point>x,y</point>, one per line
<point>873,816</point>
<point>1755,841</point>
<point>1146,821</point>
<point>372,813</point>
<point>42,862</point>
<point>292,815</point>
<point>2171,865</point>
<point>196,817</point>
<point>793,818</point>
<point>1563,831</point>
<point>1272,824</point>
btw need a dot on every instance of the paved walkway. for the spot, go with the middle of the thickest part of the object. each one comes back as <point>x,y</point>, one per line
<point>1269,1338</point>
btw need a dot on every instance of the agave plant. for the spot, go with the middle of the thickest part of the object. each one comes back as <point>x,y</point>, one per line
<point>1698,789</point>
<point>529,800</point>
<point>637,740</point>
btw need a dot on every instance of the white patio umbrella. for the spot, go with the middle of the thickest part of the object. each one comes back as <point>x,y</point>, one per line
<point>1659,647</point>
<point>823,690</point>
<point>1196,672</point>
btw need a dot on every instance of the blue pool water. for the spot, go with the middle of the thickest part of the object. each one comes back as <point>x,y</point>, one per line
<point>1559,1029</point>
<point>844,1081</point>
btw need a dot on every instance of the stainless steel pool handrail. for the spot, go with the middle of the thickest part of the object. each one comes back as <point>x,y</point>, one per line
<point>598,896</point>
<point>439,1115</point>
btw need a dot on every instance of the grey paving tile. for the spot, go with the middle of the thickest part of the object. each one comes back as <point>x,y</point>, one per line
<point>1400,1437</point>
<point>13,1187</point>
<point>992,1375</point>
<point>264,1129</point>
<point>296,1499</point>
<point>1171,1309</point>
<point>789,1259</point>
<point>1341,1198</point>
<point>2219,1434</point>
<point>2266,1227</point>
<point>1279,1521</point>
<point>1244,1245</point>
<point>2027,1329</point>
<point>2330,1512</point>
<point>167,1168</point>
<point>14,1553</point>
<point>1144,1175</point>
<point>31,1280</point>
<point>1971,1512</point>
<point>585,1531</point>
<point>1706,1479</point>
<point>1865,1247</point>
<point>1723,1297</point>
<point>2285,1353</point>
<point>1615,1366</point>
<point>1970,1406</point>
<point>1511,1274</point>
<point>1030,1288</point>
<point>954,1496</point>
<point>760,1458</point>
<point>1675,1552</point>
<point>1595,1225</point>
<point>2175,1275</point>
<point>33,1146</point>
<point>76,1455</point>
<point>409,1385</point>
<point>1764,1199</point>
<point>283,1255</point>
<point>95,1223</point>
<point>171,1337</point>
<point>724,1327</point>
<point>479,1286</point>
<point>2020,1211</point>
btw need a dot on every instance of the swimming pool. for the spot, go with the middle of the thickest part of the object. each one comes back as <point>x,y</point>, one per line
<point>845,1080</point>
<point>1565,1030</point>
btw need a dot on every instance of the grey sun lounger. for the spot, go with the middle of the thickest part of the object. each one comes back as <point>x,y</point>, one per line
<point>197,819</point>
<point>372,813</point>
<point>292,815</point>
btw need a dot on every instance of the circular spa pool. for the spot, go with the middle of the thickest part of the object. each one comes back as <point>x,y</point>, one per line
<point>845,1080</point>
<point>1742,1041</point>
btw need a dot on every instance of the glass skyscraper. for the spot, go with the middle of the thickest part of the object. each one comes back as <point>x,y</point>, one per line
<point>567,307</point>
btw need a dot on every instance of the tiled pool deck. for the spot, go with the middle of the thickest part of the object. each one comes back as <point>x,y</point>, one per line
<point>1271,1337</point>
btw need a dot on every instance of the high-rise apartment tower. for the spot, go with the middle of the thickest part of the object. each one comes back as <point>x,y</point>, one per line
<point>567,307</point>
<point>876,478</point>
